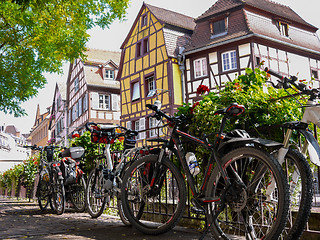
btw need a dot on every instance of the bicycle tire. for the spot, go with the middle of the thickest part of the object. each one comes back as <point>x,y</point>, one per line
<point>58,195</point>
<point>252,209</point>
<point>95,205</point>
<point>78,192</point>
<point>146,210</point>
<point>43,195</point>
<point>121,213</point>
<point>295,161</point>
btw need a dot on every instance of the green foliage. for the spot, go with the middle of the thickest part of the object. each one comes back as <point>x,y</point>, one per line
<point>24,173</point>
<point>30,169</point>
<point>92,150</point>
<point>38,36</point>
<point>265,106</point>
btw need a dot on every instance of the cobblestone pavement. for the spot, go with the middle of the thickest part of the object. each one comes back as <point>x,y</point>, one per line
<point>24,220</point>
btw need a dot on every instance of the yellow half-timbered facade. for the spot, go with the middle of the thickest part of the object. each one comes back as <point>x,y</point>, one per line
<point>149,61</point>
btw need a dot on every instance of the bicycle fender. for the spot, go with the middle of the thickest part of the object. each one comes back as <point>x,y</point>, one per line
<point>238,142</point>
<point>313,147</point>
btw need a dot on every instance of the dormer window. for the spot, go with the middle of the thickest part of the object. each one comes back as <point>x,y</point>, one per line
<point>283,28</point>
<point>109,74</point>
<point>219,27</point>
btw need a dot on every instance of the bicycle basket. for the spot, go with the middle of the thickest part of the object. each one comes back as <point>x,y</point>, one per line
<point>73,152</point>
<point>103,136</point>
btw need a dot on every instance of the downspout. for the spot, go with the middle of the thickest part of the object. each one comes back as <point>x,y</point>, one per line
<point>181,60</point>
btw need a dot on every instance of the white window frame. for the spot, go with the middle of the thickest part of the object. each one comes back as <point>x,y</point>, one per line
<point>109,74</point>
<point>229,60</point>
<point>200,67</point>
<point>104,101</point>
<point>284,29</point>
<point>137,128</point>
<point>76,85</point>
<point>153,124</point>
<point>151,83</point>
<point>135,91</point>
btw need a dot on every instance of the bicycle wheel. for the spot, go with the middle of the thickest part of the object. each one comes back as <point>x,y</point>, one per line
<point>78,192</point>
<point>43,194</point>
<point>123,217</point>
<point>300,181</point>
<point>256,203</point>
<point>95,199</point>
<point>153,210</point>
<point>58,195</point>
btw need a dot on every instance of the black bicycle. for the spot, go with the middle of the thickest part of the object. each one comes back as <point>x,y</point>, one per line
<point>74,182</point>
<point>293,158</point>
<point>105,179</point>
<point>235,193</point>
<point>50,188</point>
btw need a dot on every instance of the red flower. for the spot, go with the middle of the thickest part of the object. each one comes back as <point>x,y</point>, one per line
<point>202,89</point>
<point>121,139</point>
<point>35,163</point>
<point>75,135</point>
<point>193,107</point>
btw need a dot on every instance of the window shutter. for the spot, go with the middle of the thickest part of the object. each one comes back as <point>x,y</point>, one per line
<point>129,124</point>
<point>142,126</point>
<point>115,102</point>
<point>95,100</point>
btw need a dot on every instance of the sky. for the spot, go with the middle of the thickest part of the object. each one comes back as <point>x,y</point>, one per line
<point>112,38</point>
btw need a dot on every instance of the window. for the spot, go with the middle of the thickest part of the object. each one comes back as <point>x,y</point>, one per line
<point>137,127</point>
<point>138,49</point>
<point>144,20</point>
<point>80,107</point>
<point>85,102</point>
<point>257,61</point>
<point>314,74</point>
<point>104,101</point>
<point>109,74</point>
<point>135,91</point>
<point>218,28</point>
<point>229,60</point>
<point>74,113</point>
<point>200,67</point>
<point>145,45</point>
<point>151,84</point>
<point>152,124</point>
<point>76,84</point>
<point>283,27</point>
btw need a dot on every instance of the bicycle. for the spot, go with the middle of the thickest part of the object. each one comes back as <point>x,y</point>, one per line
<point>105,179</point>
<point>298,168</point>
<point>74,182</point>
<point>50,187</point>
<point>234,194</point>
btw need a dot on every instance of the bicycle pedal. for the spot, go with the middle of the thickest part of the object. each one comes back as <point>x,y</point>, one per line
<point>197,210</point>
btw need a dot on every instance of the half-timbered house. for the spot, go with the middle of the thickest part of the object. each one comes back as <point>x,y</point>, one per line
<point>40,132</point>
<point>58,117</point>
<point>235,34</point>
<point>149,61</point>
<point>92,90</point>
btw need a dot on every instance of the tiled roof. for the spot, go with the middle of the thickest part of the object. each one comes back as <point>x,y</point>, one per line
<point>172,18</point>
<point>299,37</point>
<point>174,40</point>
<point>220,6</point>
<point>94,78</point>
<point>202,36</point>
<point>92,71</point>
<point>62,85</point>
<point>102,56</point>
<point>265,5</point>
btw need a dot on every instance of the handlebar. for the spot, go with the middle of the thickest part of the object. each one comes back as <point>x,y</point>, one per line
<point>313,93</point>
<point>160,114</point>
